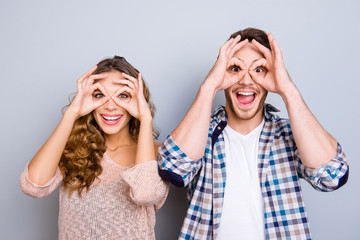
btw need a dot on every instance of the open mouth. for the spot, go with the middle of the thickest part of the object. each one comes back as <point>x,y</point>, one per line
<point>245,98</point>
<point>111,119</point>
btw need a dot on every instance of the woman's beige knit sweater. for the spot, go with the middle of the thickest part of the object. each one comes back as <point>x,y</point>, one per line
<point>120,205</point>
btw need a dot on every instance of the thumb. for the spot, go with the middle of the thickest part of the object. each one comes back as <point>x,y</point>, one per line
<point>231,80</point>
<point>259,80</point>
<point>101,102</point>
<point>121,103</point>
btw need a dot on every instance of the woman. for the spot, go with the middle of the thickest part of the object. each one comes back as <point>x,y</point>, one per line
<point>103,155</point>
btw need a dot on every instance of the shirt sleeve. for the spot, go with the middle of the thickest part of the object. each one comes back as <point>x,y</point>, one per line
<point>175,166</point>
<point>327,177</point>
<point>37,191</point>
<point>146,186</point>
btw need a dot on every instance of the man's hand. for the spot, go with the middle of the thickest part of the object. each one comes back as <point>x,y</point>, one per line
<point>316,146</point>
<point>217,79</point>
<point>276,79</point>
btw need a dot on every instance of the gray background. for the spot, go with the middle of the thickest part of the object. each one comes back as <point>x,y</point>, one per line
<point>46,45</point>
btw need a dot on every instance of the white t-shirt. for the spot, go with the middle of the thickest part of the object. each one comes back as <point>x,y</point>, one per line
<point>243,208</point>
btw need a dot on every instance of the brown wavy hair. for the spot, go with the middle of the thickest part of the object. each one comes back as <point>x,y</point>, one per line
<point>80,163</point>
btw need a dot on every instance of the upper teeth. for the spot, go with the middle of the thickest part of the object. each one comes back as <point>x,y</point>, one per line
<point>245,93</point>
<point>112,118</point>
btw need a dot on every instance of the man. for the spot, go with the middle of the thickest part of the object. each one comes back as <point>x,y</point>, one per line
<point>242,170</point>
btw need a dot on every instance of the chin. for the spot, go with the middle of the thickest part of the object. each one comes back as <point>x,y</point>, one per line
<point>109,131</point>
<point>245,113</point>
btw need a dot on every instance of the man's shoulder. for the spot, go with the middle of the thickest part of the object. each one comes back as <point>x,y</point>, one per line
<point>281,124</point>
<point>278,124</point>
<point>218,115</point>
<point>280,127</point>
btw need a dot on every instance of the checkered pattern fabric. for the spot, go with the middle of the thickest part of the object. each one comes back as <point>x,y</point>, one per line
<point>279,171</point>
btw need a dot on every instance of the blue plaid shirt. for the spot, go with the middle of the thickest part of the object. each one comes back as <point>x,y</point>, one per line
<point>280,169</point>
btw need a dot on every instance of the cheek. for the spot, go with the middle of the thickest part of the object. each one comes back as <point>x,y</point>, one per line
<point>96,117</point>
<point>127,118</point>
<point>263,96</point>
<point>260,88</point>
<point>227,94</point>
<point>263,90</point>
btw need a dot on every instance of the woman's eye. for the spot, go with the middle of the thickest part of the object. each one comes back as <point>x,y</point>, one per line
<point>123,95</point>
<point>98,95</point>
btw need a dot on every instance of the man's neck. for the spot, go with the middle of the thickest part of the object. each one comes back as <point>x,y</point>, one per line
<point>243,126</point>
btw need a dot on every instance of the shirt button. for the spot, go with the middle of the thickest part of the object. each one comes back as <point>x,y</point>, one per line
<point>219,128</point>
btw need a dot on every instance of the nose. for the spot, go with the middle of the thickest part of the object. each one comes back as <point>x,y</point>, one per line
<point>110,105</point>
<point>246,79</point>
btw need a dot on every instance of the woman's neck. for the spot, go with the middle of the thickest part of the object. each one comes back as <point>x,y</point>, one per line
<point>120,139</point>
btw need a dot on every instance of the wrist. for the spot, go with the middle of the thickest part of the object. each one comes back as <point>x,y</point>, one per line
<point>290,93</point>
<point>145,118</point>
<point>208,89</point>
<point>286,86</point>
<point>70,114</point>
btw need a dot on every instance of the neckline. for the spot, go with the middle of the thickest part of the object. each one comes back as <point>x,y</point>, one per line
<point>255,130</point>
<point>108,159</point>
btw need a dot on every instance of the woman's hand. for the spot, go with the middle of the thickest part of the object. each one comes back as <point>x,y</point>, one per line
<point>84,101</point>
<point>42,167</point>
<point>136,105</point>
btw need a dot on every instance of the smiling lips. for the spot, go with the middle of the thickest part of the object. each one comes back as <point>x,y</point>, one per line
<point>111,119</point>
<point>245,98</point>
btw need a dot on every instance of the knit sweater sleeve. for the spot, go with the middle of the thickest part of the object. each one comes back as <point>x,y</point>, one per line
<point>37,191</point>
<point>146,186</point>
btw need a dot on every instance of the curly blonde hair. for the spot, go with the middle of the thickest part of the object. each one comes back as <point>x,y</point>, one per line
<point>80,163</point>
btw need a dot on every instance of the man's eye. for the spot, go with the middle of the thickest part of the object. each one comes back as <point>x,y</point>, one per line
<point>260,69</point>
<point>235,68</point>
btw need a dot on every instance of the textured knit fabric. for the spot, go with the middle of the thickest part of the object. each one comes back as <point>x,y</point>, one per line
<point>279,169</point>
<point>120,205</point>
